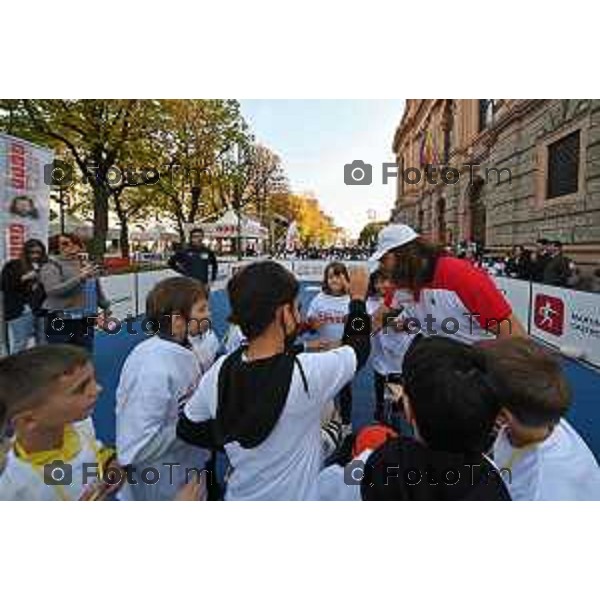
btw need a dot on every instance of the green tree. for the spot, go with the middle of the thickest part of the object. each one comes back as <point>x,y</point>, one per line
<point>369,233</point>
<point>194,137</point>
<point>101,136</point>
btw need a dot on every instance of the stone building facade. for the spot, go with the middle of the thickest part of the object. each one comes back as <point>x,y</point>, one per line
<point>502,172</point>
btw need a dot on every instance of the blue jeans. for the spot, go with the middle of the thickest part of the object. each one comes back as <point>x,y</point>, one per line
<point>20,331</point>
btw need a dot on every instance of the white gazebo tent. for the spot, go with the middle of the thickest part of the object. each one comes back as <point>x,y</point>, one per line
<point>228,228</point>
<point>156,238</point>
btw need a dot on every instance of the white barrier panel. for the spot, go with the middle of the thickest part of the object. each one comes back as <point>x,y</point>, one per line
<point>517,293</point>
<point>305,270</point>
<point>120,290</point>
<point>309,269</point>
<point>146,281</point>
<point>568,320</point>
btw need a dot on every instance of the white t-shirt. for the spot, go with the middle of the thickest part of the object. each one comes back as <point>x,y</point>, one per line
<point>233,339</point>
<point>331,311</point>
<point>158,377</point>
<point>332,481</point>
<point>463,302</point>
<point>388,346</point>
<point>562,467</point>
<point>286,465</point>
<point>21,480</point>
<point>206,348</point>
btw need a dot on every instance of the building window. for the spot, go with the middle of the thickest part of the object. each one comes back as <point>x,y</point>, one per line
<point>448,128</point>
<point>400,179</point>
<point>563,166</point>
<point>420,221</point>
<point>486,113</point>
<point>441,220</point>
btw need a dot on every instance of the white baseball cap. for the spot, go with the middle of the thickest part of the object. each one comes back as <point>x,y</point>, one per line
<point>393,236</point>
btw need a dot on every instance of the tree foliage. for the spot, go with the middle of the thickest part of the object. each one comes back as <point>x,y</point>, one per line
<point>369,233</point>
<point>186,160</point>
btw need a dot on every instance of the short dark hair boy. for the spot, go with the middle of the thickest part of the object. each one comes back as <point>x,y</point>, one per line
<point>49,393</point>
<point>452,405</point>
<point>263,403</point>
<point>256,292</point>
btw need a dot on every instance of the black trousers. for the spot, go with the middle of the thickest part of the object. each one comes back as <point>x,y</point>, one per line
<point>344,401</point>
<point>379,381</point>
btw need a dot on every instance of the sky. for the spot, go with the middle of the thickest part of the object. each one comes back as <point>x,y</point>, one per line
<point>316,138</point>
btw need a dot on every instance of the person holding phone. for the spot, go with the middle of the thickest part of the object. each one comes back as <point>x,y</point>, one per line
<point>388,344</point>
<point>73,293</point>
<point>23,295</point>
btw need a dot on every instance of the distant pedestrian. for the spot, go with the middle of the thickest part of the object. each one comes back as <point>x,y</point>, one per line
<point>73,293</point>
<point>195,260</point>
<point>519,263</point>
<point>539,259</point>
<point>558,268</point>
<point>23,295</point>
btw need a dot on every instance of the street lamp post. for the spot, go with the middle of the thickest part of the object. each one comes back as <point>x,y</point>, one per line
<point>239,233</point>
<point>59,199</point>
<point>237,202</point>
<point>61,204</point>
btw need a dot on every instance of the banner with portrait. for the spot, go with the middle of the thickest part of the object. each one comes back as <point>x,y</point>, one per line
<point>24,196</point>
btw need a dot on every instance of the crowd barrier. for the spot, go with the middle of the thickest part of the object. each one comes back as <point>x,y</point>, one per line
<point>565,319</point>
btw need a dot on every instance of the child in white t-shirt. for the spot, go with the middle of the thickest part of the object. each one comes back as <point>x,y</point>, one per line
<point>263,404</point>
<point>158,378</point>
<point>327,315</point>
<point>49,393</point>
<point>539,453</point>
<point>389,343</point>
<point>206,348</point>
